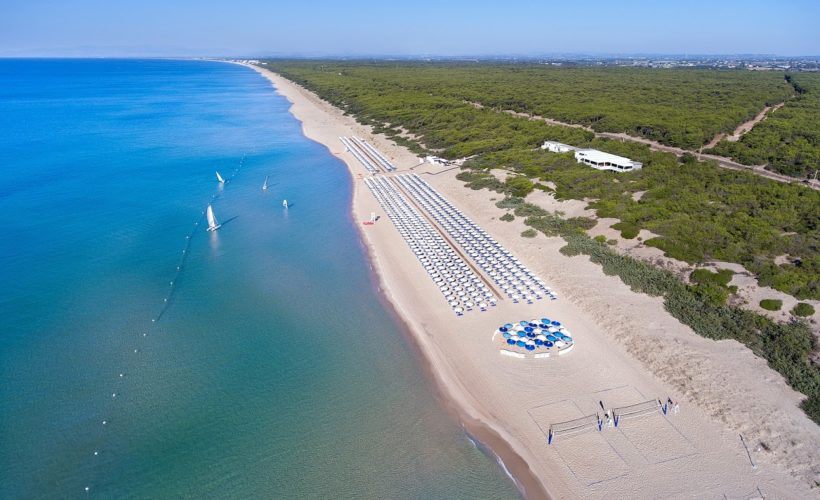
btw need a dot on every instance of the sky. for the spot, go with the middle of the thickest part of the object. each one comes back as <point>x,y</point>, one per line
<point>255,28</point>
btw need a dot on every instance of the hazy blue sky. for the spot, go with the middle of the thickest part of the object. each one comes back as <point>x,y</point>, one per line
<point>441,27</point>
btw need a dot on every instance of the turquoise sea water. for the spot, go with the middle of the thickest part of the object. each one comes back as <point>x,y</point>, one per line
<point>276,370</point>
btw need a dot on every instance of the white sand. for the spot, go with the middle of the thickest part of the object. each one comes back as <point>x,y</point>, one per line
<point>628,349</point>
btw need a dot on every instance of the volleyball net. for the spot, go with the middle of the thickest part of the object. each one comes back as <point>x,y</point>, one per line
<point>637,410</point>
<point>581,424</point>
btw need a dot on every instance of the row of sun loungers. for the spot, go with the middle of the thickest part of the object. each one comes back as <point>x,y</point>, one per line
<point>359,156</point>
<point>376,154</point>
<point>511,276</point>
<point>461,287</point>
<point>367,155</point>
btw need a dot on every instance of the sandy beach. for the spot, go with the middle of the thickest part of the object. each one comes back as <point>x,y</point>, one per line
<point>628,350</point>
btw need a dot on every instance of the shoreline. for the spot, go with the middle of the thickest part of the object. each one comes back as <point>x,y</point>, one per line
<point>511,462</point>
<point>468,383</point>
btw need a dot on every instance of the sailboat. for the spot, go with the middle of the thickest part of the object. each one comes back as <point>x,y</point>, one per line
<point>213,225</point>
<point>265,185</point>
<point>219,178</point>
<point>285,203</point>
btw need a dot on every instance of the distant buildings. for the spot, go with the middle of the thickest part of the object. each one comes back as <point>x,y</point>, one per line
<point>596,159</point>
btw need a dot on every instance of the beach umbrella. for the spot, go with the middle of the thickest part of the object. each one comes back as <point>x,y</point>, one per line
<point>510,341</point>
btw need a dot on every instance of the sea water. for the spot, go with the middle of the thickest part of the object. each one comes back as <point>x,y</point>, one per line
<point>267,366</point>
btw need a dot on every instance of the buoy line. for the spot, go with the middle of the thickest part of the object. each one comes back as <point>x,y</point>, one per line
<point>166,302</point>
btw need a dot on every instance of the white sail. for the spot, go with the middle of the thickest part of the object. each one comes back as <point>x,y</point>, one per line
<point>265,185</point>
<point>219,178</point>
<point>285,203</point>
<point>213,225</point>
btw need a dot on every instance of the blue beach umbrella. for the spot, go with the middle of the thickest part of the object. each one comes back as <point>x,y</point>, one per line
<point>528,329</point>
<point>520,343</point>
<point>508,325</point>
<point>548,344</point>
<point>530,347</point>
<point>545,320</point>
<point>522,334</point>
<point>523,323</point>
<point>511,341</point>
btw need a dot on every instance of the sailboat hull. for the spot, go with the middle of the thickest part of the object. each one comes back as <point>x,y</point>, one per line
<point>214,228</point>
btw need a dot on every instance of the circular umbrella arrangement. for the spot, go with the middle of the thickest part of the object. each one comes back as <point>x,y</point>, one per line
<point>535,336</point>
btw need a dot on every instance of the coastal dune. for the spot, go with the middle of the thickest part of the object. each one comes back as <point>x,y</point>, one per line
<point>628,350</point>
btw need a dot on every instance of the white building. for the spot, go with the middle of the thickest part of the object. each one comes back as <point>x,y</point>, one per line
<point>557,147</point>
<point>606,161</point>
<point>594,158</point>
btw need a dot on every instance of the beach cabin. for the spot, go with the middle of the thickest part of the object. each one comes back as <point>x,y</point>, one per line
<point>435,160</point>
<point>606,161</point>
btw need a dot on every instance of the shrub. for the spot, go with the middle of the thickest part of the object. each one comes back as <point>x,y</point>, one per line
<point>628,230</point>
<point>704,276</point>
<point>519,186</point>
<point>803,310</point>
<point>529,233</point>
<point>771,304</point>
<point>508,217</point>
<point>600,238</point>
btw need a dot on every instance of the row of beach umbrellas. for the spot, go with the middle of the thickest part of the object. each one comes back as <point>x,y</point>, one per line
<point>459,285</point>
<point>511,276</point>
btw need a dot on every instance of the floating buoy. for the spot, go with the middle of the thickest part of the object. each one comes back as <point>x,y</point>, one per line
<point>145,334</point>
<point>105,422</point>
<point>121,375</point>
<point>113,394</point>
<point>87,488</point>
<point>135,350</point>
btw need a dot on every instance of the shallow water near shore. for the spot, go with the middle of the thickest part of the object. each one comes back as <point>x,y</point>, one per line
<point>275,371</point>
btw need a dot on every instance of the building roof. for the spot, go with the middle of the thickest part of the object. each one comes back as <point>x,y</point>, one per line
<point>601,157</point>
